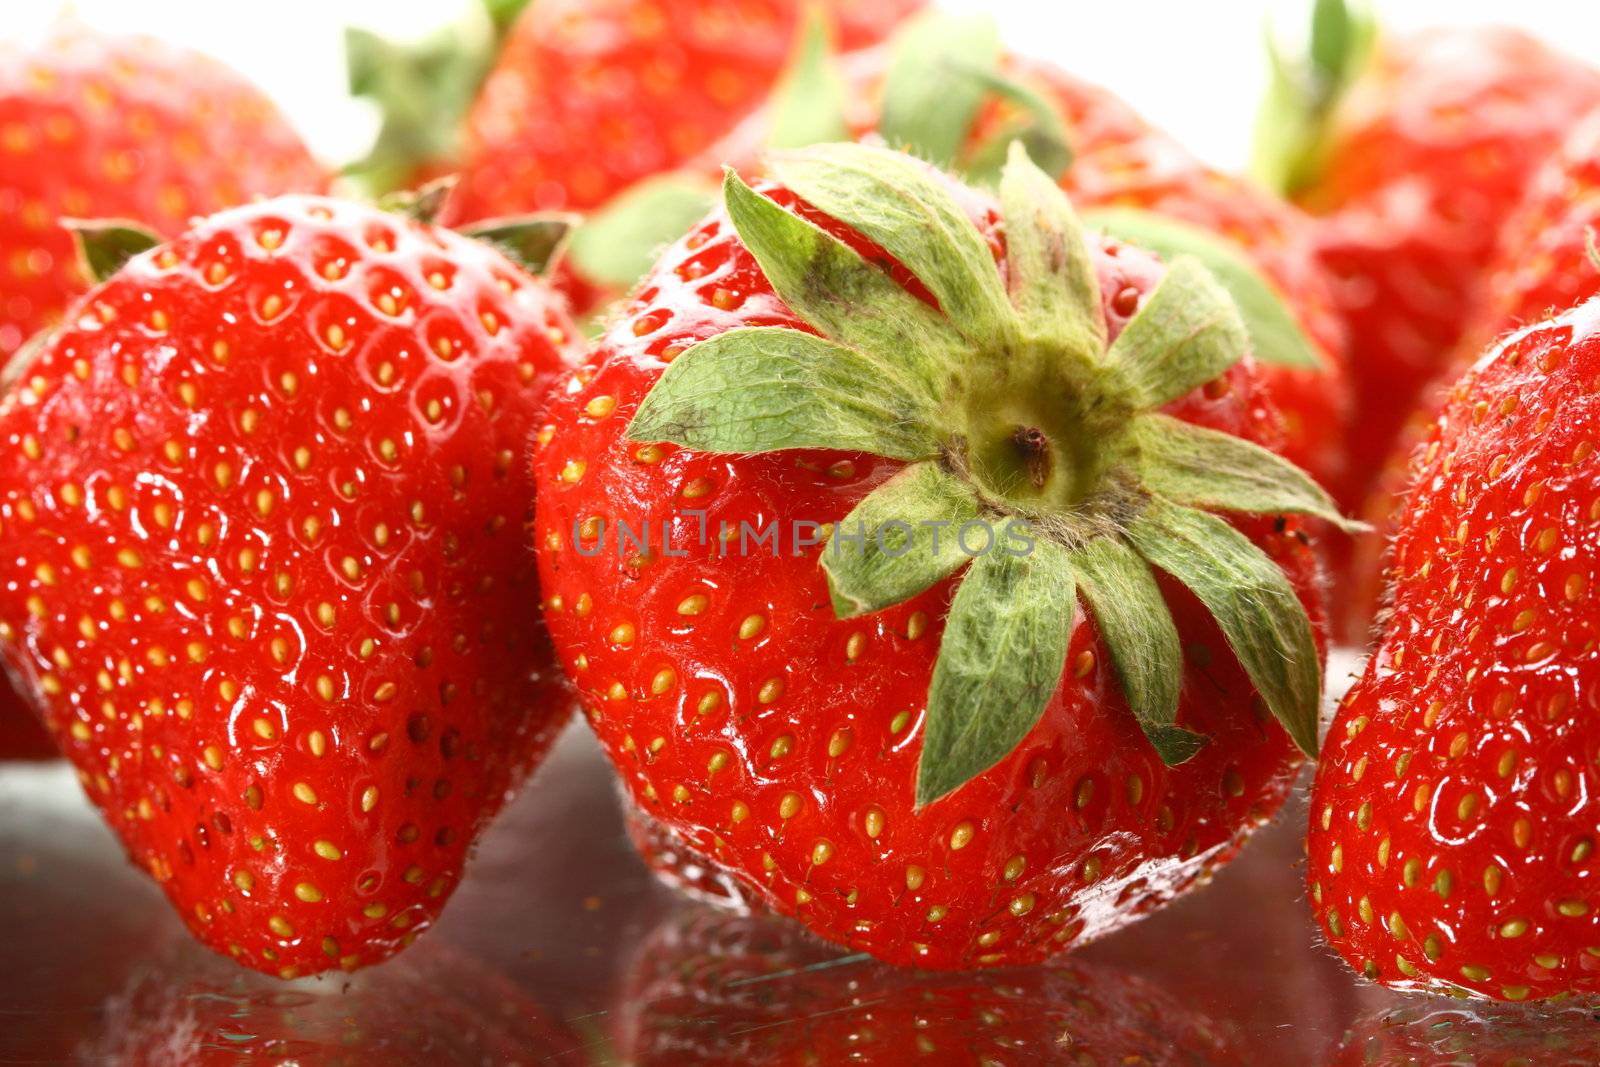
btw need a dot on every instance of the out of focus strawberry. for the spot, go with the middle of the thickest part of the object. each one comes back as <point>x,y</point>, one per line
<point>1414,150</point>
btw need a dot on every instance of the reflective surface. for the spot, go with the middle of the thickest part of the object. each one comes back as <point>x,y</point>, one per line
<point>559,948</point>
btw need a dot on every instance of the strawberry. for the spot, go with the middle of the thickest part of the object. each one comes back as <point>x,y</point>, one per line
<point>588,99</point>
<point>94,125</point>
<point>1547,263</point>
<point>1483,1035</point>
<point>1129,179</point>
<point>1413,159</point>
<point>855,741</point>
<point>1452,837</point>
<point>262,569</point>
<point>719,990</point>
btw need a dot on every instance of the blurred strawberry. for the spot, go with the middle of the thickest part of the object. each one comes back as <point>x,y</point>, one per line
<point>263,568</point>
<point>1415,152</point>
<point>720,990</point>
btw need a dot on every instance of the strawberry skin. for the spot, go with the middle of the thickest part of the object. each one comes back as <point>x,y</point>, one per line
<point>262,566</point>
<point>588,98</point>
<point>1451,844</point>
<point>719,990</point>
<point>95,126</point>
<point>780,743</point>
<point>1429,154</point>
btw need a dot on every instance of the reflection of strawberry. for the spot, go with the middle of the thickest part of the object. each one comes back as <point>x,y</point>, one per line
<point>589,98</point>
<point>434,1007</point>
<point>778,718</point>
<point>1431,1032</point>
<point>262,566</point>
<point>1415,159</point>
<point>1452,832</point>
<point>720,990</point>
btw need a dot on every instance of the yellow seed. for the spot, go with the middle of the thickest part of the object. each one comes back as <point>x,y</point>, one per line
<point>304,793</point>
<point>328,850</point>
<point>280,926</point>
<point>752,625</point>
<point>1514,928</point>
<point>961,836</point>
<point>308,892</point>
<point>1573,908</point>
<point>821,853</point>
<point>789,806</point>
<point>872,822</point>
<point>692,605</point>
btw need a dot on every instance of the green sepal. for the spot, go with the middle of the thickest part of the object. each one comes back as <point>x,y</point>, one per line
<point>908,210</point>
<point>1137,628</point>
<point>899,541</point>
<point>616,245</point>
<point>422,204</point>
<point>1206,468</point>
<point>104,246</point>
<point>927,107</point>
<point>841,295</point>
<point>811,100</point>
<point>423,89</point>
<point>1052,279</point>
<point>1591,247</point>
<point>1001,659</point>
<point>1303,92</point>
<point>1187,333</point>
<point>1276,337</point>
<point>533,242</point>
<point>1039,127</point>
<point>1248,594</point>
<point>768,388</point>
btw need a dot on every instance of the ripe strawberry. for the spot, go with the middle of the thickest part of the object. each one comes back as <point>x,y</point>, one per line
<point>95,126</point>
<point>589,98</point>
<point>1483,1035</point>
<point>1547,263</point>
<point>262,572</point>
<point>1452,842</point>
<point>718,990</point>
<point>1129,179</point>
<point>787,722</point>
<point>1414,160</point>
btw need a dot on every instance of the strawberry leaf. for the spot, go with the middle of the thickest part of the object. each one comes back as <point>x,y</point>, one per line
<point>1138,630</point>
<point>898,541</point>
<point>533,242</point>
<point>105,245</point>
<point>1052,280</point>
<point>808,106</point>
<point>766,388</point>
<point>1254,604</point>
<point>831,287</point>
<point>1276,337</point>
<point>1190,464</point>
<point>1004,648</point>
<point>1186,334</point>
<point>904,207</point>
<point>926,108</point>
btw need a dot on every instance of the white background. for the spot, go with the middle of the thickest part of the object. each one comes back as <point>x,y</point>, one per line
<point>1192,66</point>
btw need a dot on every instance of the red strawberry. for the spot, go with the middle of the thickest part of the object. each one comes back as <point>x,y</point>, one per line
<point>786,721</point>
<point>116,127</point>
<point>1452,834</point>
<point>1483,1035</point>
<point>720,990</point>
<point>121,127</point>
<point>263,568</point>
<point>1547,263</point>
<point>1415,159</point>
<point>1129,179</point>
<point>589,98</point>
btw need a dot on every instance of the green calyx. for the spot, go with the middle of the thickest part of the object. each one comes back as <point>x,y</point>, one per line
<point>105,245</point>
<point>1040,471</point>
<point>1304,90</point>
<point>423,89</point>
